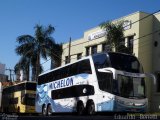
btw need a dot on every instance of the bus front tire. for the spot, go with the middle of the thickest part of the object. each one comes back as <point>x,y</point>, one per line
<point>44,110</point>
<point>49,110</point>
<point>90,108</point>
<point>80,108</point>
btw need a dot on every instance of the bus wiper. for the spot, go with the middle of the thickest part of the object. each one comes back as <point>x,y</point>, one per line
<point>132,97</point>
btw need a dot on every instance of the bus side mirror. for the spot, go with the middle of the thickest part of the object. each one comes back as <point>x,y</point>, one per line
<point>152,76</point>
<point>23,100</point>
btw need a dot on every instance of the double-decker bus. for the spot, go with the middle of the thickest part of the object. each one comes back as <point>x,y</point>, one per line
<point>19,98</point>
<point>103,82</point>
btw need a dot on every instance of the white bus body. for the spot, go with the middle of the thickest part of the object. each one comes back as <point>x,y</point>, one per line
<point>95,83</point>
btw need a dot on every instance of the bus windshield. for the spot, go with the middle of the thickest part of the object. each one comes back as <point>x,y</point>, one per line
<point>130,87</point>
<point>125,62</point>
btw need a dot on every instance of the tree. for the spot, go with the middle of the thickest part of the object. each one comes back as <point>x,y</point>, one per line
<point>115,35</point>
<point>56,58</point>
<point>23,64</point>
<point>37,46</point>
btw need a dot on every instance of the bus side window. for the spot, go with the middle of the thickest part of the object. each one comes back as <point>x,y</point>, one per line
<point>84,67</point>
<point>41,80</point>
<point>101,61</point>
<point>73,69</point>
<point>104,81</point>
<point>56,74</point>
<point>64,72</point>
<point>59,74</point>
<point>52,76</point>
<point>47,78</point>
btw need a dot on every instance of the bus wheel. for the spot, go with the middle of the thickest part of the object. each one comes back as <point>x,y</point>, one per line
<point>80,108</point>
<point>90,108</point>
<point>49,110</point>
<point>44,111</point>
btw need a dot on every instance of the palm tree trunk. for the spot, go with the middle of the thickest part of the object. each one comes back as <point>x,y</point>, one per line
<point>52,63</point>
<point>33,73</point>
<point>37,66</point>
<point>27,73</point>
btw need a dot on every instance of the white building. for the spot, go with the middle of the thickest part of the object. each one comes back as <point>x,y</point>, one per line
<point>142,37</point>
<point>2,68</point>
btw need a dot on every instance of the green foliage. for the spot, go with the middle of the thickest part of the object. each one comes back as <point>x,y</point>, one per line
<point>32,48</point>
<point>115,34</point>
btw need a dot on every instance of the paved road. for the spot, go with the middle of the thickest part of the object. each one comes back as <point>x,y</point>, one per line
<point>66,118</point>
<point>57,117</point>
<point>88,118</point>
<point>75,117</point>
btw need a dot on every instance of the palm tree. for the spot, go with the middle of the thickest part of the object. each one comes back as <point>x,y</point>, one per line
<point>23,64</point>
<point>115,35</point>
<point>37,46</point>
<point>55,58</point>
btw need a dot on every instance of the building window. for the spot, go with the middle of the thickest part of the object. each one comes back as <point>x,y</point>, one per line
<point>79,56</point>
<point>106,47</point>
<point>158,81</point>
<point>66,59</point>
<point>87,51</point>
<point>94,49</point>
<point>122,42</point>
<point>130,43</point>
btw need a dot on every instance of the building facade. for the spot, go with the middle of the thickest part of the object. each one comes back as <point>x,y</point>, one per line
<point>142,37</point>
<point>2,68</point>
<point>3,77</point>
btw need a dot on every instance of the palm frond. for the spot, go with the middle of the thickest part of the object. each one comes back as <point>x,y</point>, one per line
<point>32,48</point>
<point>24,49</point>
<point>49,30</point>
<point>115,33</point>
<point>23,39</point>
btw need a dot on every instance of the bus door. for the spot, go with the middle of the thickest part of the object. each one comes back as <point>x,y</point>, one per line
<point>105,97</point>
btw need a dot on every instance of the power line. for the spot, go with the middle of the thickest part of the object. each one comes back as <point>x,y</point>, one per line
<point>144,36</point>
<point>50,58</point>
<point>123,27</point>
<point>95,39</point>
<point>46,70</point>
<point>134,39</point>
<point>142,18</point>
<point>117,45</point>
<point>10,73</point>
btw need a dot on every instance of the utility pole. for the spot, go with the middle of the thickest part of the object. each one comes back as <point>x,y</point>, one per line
<point>69,52</point>
<point>10,73</point>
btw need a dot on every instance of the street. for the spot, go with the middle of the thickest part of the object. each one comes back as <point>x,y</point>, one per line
<point>66,117</point>
<point>115,116</point>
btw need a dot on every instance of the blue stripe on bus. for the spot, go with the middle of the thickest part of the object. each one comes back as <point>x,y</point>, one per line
<point>84,75</point>
<point>125,108</point>
<point>43,98</point>
<point>112,105</point>
<point>105,106</point>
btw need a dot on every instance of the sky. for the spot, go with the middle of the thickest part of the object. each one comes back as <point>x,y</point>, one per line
<point>71,18</point>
